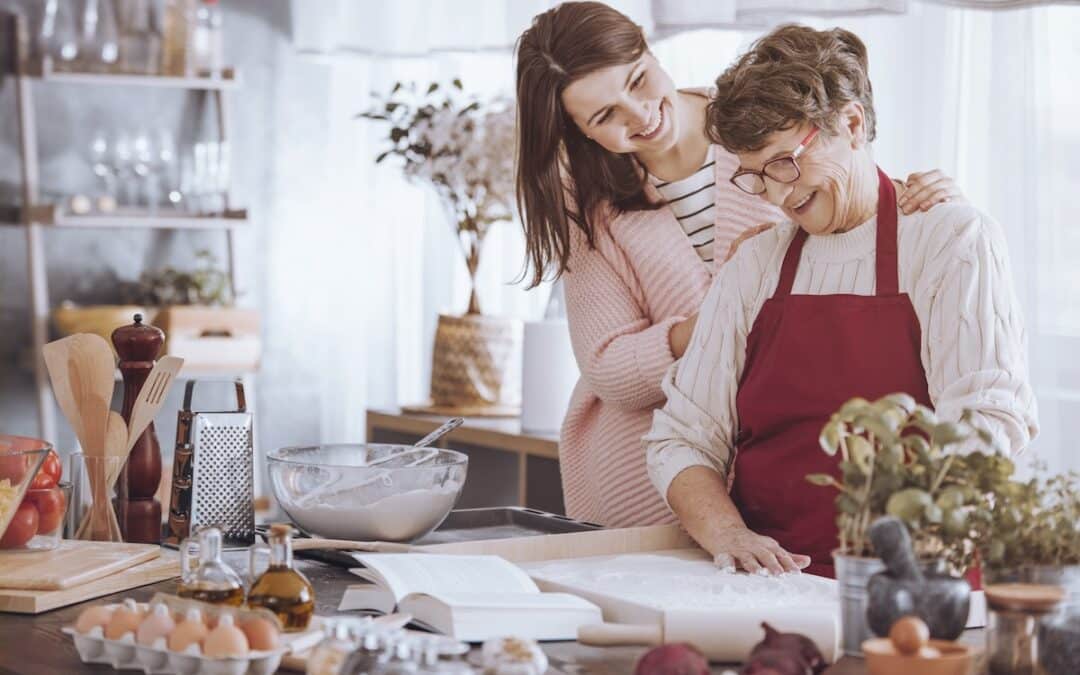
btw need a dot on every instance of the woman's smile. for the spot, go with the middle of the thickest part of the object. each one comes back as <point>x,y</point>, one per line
<point>656,126</point>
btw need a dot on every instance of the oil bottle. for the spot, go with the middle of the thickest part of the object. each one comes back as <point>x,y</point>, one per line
<point>282,589</point>
<point>207,577</point>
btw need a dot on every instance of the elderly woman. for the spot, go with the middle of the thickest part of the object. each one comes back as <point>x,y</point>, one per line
<point>846,298</point>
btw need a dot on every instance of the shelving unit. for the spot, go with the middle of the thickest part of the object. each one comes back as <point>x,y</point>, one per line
<point>36,217</point>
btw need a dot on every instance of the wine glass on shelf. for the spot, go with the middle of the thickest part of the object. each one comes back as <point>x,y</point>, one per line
<point>99,162</point>
<point>99,43</point>
<point>122,165</point>
<point>168,167</point>
<point>57,38</point>
<point>144,166</point>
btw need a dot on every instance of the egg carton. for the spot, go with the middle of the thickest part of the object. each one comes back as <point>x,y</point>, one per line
<point>124,654</point>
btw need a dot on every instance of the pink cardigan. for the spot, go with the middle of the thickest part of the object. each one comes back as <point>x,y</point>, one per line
<point>622,298</point>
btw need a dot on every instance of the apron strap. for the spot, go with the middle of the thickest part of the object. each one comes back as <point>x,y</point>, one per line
<point>791,264</point>
<point>888,282</point>
<point>887,260</point>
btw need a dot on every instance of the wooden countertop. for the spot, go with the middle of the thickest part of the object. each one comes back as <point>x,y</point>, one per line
<point>31,645</point>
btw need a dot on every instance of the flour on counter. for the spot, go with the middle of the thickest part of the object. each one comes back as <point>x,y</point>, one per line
<point>683,580</point>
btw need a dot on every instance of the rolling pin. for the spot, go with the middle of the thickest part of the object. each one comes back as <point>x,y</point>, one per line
<point>725,635</point>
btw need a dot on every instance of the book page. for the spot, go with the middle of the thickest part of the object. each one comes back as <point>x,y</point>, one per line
<point>404,573</point>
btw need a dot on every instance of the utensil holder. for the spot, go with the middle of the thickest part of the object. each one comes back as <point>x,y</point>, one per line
<point>95,516</point>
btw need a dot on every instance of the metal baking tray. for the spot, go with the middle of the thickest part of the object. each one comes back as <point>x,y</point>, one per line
<point>500,522</point>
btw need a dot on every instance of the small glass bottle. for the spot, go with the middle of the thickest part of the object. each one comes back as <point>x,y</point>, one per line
<point>282,589</point>
<point>207,577</point>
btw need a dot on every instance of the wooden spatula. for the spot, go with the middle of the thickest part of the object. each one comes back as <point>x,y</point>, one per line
<point>152,396</point>
<point>56,355</point>
<point>116,435</point>
<point>91,368</point>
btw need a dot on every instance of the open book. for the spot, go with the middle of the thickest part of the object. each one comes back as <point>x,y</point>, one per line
<point>470,598</point>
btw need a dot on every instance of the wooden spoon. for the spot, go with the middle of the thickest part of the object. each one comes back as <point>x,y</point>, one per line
<point>303,544</point>
<point>56,356</point>
<point>91,369</point>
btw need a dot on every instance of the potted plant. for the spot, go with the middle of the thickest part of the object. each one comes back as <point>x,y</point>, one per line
<point>195,309</point>
<point>1031,533</point>
<point>462,148</point>
<point>895,460</point>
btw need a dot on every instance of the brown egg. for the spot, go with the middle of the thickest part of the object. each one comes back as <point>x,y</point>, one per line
<point>92,617</point>
<point>225,640</point>
<point>157,624</point>
<point>125,619</point>
<point>190,631</point>
<point>909,634</point>
<point>261,634</point>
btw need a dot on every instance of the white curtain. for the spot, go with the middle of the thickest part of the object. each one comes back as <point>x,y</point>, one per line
<point>360,261</point>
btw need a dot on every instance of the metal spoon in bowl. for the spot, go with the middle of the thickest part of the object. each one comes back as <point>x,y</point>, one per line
<point>422,445</point>
<point>419,447</point>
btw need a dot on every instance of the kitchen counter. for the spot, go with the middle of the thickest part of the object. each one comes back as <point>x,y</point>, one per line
<point>34,645</point>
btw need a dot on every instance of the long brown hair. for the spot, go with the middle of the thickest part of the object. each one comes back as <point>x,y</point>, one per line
<point>554,158</point>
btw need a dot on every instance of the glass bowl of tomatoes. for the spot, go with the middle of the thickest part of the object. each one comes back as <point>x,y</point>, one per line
<point>32,499</point>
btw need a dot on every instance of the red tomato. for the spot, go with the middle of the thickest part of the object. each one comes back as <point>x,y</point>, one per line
<point>22,528</point>
<point>50,504</point>
<point>49,473</point>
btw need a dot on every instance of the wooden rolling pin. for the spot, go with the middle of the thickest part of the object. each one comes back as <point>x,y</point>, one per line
<point>346,545</point>
<point>722,634</point>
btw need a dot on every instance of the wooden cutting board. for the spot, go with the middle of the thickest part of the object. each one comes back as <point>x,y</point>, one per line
<point>35,602</point>
<point>71,564</point>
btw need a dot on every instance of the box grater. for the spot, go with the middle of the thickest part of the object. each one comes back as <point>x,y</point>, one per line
<point>213,473</point>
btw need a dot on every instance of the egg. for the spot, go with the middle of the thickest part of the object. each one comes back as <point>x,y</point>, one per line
<point>92,617</point>
<point>125,619</point>
<point>190,631</point>
<point>225,640</point>
<point>909,634</point>
<point>261,634</point>
<point>157,624</point>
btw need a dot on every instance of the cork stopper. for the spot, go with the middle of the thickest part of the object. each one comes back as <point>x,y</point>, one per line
<point>1031,598</point>
<point>281,530</point>
<point>138,341</point>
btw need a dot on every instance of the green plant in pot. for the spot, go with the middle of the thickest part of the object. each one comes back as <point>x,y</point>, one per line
<point>897,458</point>
<point>462,147</point>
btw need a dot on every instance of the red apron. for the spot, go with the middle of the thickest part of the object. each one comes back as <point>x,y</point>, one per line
<point>805,357</point>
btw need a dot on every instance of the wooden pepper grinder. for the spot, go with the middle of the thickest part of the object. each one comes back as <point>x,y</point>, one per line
<point>139,513</point>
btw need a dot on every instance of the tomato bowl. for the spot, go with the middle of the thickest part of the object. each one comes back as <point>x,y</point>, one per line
<point>29,487</point>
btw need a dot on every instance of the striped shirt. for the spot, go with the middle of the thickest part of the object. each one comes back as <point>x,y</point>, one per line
<point>693,201</point>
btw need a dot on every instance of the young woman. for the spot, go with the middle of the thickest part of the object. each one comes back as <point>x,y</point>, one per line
<point>624,196</point>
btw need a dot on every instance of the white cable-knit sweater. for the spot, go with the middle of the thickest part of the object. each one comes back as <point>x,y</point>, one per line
<point>953,264</point>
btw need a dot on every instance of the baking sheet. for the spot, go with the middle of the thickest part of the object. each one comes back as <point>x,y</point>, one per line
<point>503,522</point>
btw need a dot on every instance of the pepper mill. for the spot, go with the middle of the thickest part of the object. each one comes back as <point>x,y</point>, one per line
<point>138,345</point>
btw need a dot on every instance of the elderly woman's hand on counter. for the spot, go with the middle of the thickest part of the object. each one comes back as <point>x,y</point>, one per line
<point>700,490</point>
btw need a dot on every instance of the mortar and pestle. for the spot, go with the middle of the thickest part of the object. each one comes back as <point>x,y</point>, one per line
<point>906,589</point>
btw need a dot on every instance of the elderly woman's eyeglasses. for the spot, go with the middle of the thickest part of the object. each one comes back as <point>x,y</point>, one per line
<point>781,169</point>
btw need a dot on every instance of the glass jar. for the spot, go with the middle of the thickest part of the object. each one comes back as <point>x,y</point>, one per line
<point>1012,635</point>
<point>204,575</point>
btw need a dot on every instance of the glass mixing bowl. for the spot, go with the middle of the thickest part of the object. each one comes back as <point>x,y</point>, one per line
<point>367,492</point>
